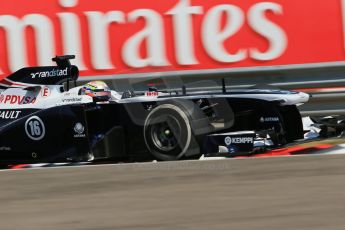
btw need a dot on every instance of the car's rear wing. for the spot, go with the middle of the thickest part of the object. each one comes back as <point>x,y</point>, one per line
<point>44,75</point>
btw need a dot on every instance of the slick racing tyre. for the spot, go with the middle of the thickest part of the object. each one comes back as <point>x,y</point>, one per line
<point>170,129</point>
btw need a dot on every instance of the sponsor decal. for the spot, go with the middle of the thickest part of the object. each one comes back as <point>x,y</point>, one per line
<point>34,128</point>
<point>115,37</point>
<point>151,94</point>
<point>269,119</point>
<point>9,114</point>
<point>17,99</point>
<point>79,130</point>
<point>45,92</point>
<point>5,148</point>
<point>71,100</point>
<point>238,140</point>
<point>227,140</point>
<point>52,73</point>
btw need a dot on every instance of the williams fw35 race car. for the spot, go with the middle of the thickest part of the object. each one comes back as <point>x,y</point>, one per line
<point>42,119</point>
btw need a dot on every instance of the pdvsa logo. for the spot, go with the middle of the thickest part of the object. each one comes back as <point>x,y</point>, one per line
<point>17,99</point>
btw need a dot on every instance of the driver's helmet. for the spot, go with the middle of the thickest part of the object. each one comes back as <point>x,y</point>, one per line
<point>99,90</point>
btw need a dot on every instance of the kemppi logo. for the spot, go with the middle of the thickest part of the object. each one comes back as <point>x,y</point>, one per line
<point>238,140</point>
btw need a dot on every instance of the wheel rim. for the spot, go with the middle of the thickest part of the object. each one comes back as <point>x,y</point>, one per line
<point>166,134</point>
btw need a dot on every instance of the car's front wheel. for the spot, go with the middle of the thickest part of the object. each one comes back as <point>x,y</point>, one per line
<point>168,133</point>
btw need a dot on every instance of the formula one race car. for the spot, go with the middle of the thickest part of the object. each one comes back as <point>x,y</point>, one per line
<point>43,120</point>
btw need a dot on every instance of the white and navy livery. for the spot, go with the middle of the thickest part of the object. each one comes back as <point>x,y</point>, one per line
<point>42,121</point>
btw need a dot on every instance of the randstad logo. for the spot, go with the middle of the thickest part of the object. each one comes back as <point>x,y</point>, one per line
<point>52,73</point>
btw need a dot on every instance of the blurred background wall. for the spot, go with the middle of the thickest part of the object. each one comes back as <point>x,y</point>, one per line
<point>285,44</point>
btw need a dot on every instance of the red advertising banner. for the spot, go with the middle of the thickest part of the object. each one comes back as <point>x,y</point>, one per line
<point>123,37</point>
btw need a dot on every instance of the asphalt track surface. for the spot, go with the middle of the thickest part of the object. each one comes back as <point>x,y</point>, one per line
<point>300,192</point>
